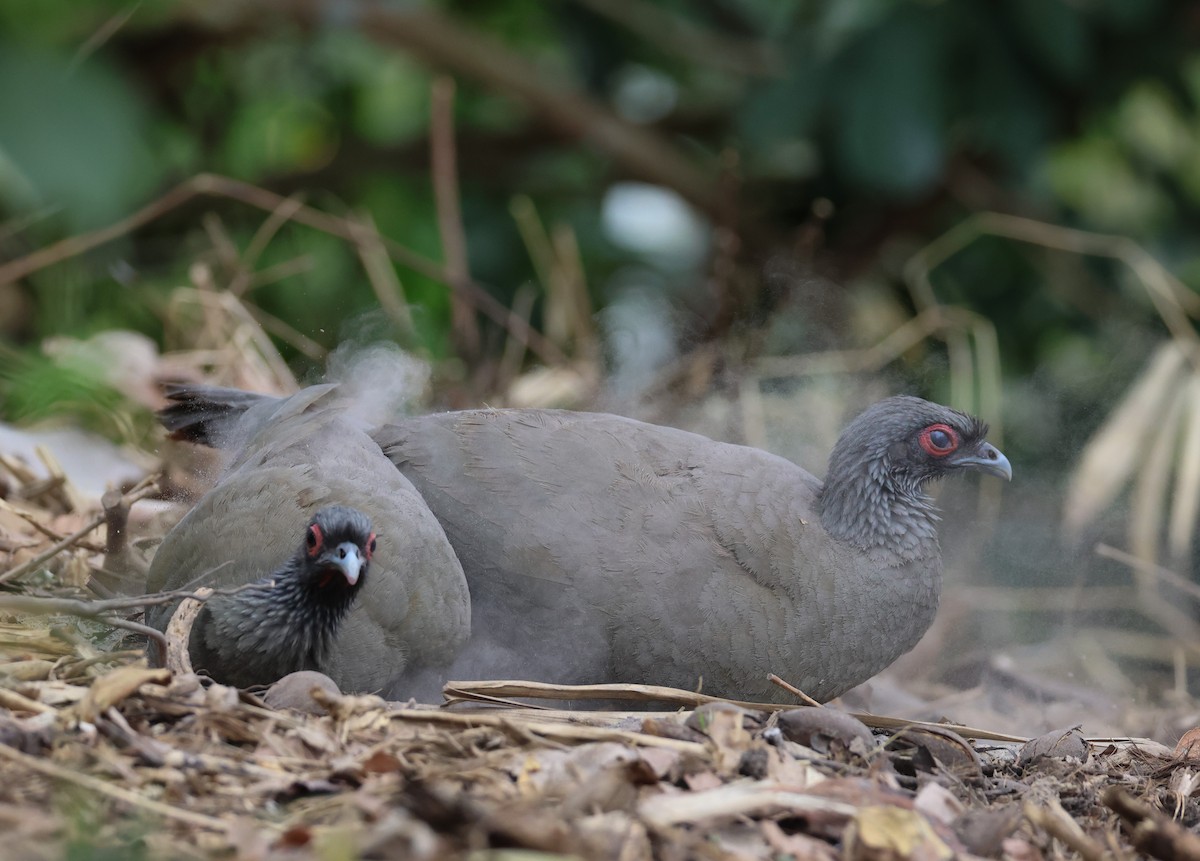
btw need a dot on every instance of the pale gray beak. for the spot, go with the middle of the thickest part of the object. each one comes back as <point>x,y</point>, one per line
<point>348,558</point>
<point>989,459</point>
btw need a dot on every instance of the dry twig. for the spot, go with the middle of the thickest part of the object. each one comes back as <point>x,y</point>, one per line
<point>443,161</point>
<point>1151,831</point>
<point>1056,822</point>
<point>109,790</point>
<point>793,690</point>
<point>146,487</point>
<point>212,185</point>
<point>178,659</point>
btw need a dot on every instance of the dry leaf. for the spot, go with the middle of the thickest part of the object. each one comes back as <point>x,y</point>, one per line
<point>938,803</point>
<point>887,833</point>
<point>1114,453</point>
<point>816,728</point>
<point>381,762</point>
<point>1188,746</point>
<point>947,748</point>
<point>1059,744</point>
<point>984,832</point>
<point>724,724</point>
<point>116,686</point>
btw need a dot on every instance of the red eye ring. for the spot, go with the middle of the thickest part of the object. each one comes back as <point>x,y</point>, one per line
<point>313,539</point>
<point>931,440</point>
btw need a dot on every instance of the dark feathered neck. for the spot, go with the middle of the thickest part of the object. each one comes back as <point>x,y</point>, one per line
<point>874,495</point>
<point>873,507</point>
<point>285,621</point>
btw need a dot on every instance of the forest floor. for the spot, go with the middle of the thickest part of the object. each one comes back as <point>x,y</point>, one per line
<point>104,756</point>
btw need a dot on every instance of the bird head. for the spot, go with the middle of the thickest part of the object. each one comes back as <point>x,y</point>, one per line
<point>337,550</point>
<point>874,491</point>
<point>906,442</point>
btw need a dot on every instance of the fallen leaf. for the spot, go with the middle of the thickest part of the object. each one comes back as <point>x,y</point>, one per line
<point>985,832</point>
<point>947,748</point>
<point>1188,746</point>
<point>938,803</point>
<point>818,728</point>
<point>116,686</point>
<point>1059,744</point>
<point>887,833</point>
<point>381,762</point>
<point>295,837</point>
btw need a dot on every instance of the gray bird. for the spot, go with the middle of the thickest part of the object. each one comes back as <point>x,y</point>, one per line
<point>295,462</point>
<point>285,622</point>
<point>599,548</point>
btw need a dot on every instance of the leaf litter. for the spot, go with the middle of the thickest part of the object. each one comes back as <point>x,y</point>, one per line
<point>102,753</point>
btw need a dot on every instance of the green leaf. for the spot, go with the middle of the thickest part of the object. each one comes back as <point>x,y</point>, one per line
<point>1057,36</point>
<point>72,137</point>
<point>1094,176</point>
<point>888,105</point>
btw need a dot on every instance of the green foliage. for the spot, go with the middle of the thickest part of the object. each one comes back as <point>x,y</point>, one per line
<point>34,389</point>
<point>889,109</point>
<point>906,115</point>
<point>72,138</point>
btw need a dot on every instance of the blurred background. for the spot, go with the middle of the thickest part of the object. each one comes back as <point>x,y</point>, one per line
<point>749,218</point>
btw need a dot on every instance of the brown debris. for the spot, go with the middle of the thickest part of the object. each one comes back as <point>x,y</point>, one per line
<point>97,749</point>
<point>1150,830</point>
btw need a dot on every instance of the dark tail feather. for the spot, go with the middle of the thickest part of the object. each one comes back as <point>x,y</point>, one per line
<point>205,414</point>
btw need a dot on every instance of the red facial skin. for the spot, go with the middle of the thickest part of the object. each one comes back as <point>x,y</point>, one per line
<point>931,447</point>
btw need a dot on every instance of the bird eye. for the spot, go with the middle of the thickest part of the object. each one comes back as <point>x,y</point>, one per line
<point>939,440</point>
<point>371,546</point>
<point>313,539</point>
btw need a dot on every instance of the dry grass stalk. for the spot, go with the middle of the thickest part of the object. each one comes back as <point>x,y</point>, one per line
<point>203,185</point>
<point>1150,485</point>
<point>1152,832</point>
<point>530,725</point>
<point>1185,510</point>
<point>443,163</point>
<point>212,330</point>
<point>1117,452</point>
<point>793,690</point>
<point>1056,822</point>
<point>386,284</point>
<point>481,691</point>
<point>105,789</point>
<point>568,319</point>
<point>147,487</point>
<point>735,800</point>
<point>179,631</point>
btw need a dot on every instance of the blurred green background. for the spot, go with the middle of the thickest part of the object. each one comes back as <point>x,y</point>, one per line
<point>681,198</point>
<point>812,139</point>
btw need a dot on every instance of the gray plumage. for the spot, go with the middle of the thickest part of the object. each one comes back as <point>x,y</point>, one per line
<point>286,621</point>
<point>599,548</point>
<point>291,458</point>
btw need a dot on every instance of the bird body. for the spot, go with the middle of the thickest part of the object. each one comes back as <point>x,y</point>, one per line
<point>609,549</point>
<point>599,548</point>
<point>290,459</point>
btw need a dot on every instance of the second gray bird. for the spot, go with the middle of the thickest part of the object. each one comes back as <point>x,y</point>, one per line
<point>395,631</point>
